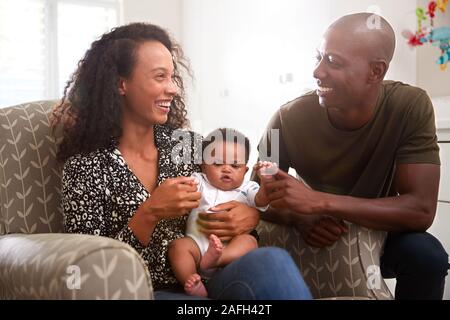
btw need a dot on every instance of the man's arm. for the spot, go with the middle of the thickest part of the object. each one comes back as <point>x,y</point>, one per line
<point>412,210</point>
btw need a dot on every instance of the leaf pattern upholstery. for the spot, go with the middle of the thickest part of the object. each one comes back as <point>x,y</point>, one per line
<point>38,266</point>
<point>36,258</point>
<point>342,270</point>
<point>30,179</point>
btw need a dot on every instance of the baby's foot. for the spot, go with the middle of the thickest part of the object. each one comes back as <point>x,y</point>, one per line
<point>212,254</point>
<point>195,287</point>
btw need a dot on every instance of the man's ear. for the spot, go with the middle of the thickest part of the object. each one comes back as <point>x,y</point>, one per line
<point>122,86</point>
<point>378,70</point>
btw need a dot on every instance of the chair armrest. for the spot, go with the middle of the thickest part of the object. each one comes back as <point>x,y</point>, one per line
<point>348,268</point>
<point>70,266</point>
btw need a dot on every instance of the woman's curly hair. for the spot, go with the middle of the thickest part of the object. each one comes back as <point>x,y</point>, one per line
<point>90,111</point>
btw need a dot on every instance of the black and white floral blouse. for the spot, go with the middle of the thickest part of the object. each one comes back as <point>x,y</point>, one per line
<point>100,194</point>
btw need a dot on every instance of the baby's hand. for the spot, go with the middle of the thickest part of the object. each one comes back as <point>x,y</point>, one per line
<point>265,169</point>
<point>192,182</point>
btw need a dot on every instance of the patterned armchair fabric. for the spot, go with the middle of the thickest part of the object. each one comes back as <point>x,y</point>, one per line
<point>37,261</point>
<point>70,266</point>
<point>349,269</point>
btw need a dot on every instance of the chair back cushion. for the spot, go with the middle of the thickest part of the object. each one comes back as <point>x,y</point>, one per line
<point>29,177</point>
<point>349,268</point>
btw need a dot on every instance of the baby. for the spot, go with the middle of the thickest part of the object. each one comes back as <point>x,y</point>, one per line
<point>222,180</point>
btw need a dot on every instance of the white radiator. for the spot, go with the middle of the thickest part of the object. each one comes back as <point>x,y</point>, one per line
<point>442,114</point>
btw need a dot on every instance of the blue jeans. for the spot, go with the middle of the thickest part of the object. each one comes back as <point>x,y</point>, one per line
<point>419,263</point>
<point>263,274</point>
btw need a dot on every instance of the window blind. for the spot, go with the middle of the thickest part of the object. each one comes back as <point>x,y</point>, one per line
<point>23,52</point>
<point>41,42</point>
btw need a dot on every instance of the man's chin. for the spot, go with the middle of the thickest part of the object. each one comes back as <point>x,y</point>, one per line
<point>322,102</point>
<point>328,103</point>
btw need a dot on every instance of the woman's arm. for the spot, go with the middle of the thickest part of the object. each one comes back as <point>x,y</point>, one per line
<point>173,198</point>
<point>86,207</point>
<point>81,197</point>
<point>85,201</point>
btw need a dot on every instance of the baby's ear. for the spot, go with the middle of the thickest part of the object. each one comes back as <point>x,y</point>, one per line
<point>246,169</point>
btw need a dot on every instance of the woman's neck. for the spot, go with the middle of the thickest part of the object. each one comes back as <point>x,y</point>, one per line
<point>139,141</point>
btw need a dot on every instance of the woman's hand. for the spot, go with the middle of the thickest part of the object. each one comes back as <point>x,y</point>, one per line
<point>173,198</point>
<point>228,220</point>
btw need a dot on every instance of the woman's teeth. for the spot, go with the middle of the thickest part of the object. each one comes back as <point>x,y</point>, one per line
<point>164,104</point>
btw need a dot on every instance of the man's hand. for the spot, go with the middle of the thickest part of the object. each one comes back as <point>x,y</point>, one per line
<point>230,219</point>
<point>286,192</point>
<point>320,231</point>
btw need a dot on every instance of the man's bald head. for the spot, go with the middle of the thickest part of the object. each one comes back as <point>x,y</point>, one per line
<point>352,60</point>
<point>369,30</point>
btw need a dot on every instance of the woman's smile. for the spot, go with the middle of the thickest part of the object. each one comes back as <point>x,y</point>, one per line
<point>163,105</point>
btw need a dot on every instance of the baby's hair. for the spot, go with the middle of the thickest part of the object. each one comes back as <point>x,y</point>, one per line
<point>227,135</point>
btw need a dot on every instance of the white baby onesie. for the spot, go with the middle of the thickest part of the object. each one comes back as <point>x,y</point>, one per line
<point>211,196</point>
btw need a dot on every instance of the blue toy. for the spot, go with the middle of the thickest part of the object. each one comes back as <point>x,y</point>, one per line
<point>440,37</point>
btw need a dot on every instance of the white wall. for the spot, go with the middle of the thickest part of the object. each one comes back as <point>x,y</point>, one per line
<point>166,13</point>
<point>243,51</point>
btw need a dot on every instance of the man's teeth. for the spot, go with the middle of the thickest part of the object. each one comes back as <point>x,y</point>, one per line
<point>325,89</point>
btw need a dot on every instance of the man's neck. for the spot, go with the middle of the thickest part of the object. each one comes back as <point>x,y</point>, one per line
<point>354,117</point>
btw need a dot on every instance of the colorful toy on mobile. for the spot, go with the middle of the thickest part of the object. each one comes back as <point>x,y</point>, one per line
<point>439,37</point>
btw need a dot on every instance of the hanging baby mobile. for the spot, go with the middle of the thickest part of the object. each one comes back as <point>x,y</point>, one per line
<point>439,37</point>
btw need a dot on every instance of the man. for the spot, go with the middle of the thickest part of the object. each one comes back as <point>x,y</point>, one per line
<point>367,149</point>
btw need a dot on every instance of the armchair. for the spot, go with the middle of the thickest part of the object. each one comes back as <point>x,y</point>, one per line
<point>37,260</point>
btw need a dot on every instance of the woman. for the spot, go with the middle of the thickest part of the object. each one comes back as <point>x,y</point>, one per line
<point>118,114</point>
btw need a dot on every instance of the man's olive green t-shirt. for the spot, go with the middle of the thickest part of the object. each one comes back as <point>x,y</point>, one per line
<point>362,162</point>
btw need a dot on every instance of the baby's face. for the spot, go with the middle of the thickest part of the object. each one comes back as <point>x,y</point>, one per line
<point>226,170</point>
